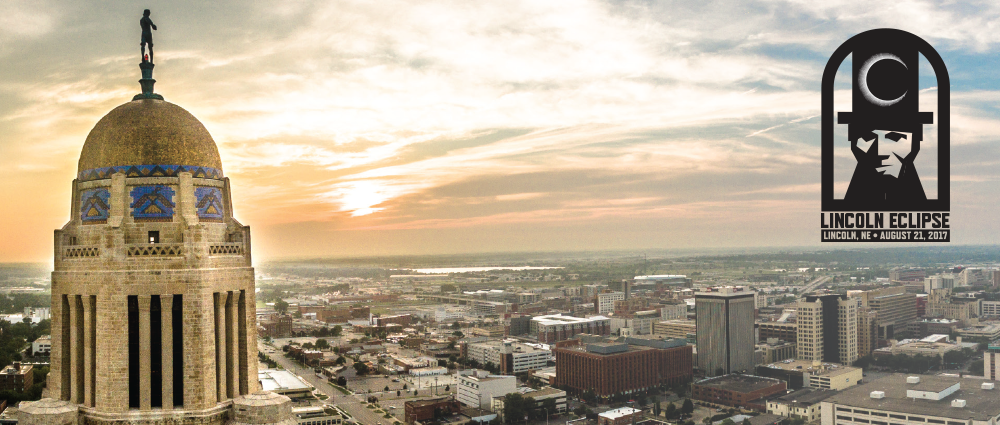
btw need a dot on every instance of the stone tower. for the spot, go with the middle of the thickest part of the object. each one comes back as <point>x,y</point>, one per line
<point>153,309</point>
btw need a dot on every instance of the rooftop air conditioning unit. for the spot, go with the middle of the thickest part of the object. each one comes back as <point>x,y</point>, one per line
<point>958,403</point>
<point>912,379</point>
<point>878,394</point>
<point>988,385</point>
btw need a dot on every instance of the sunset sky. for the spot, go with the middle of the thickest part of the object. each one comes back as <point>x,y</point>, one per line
<point>410,127</point>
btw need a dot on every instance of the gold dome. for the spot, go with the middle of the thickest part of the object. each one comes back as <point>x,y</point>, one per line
<point>149,132</point>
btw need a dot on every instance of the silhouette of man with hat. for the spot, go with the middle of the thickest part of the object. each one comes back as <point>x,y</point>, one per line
<point>884,126</point>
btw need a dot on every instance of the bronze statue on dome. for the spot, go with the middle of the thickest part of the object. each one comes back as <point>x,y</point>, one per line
<point>147,36</point>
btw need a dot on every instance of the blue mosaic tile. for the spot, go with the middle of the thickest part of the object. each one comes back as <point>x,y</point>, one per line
<point>94,206</point>
<point>153,203</point>
<point>209,204</point>
<point>149,171</point>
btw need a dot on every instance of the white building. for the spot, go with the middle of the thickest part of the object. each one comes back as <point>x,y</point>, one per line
<point>606,301</point>
<point>474,391</point>
<point>674,312</point>
<point>512,357</point>
<point>42,345</point>
<point>915,400</point>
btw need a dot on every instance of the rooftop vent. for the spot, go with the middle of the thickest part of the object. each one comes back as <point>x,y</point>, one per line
<point>958,403</point>
<point>988,386</point>
<point>912,379</point>
<point>878,394</point>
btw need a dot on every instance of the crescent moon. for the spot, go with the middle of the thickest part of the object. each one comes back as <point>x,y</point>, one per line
<point>863,79</point>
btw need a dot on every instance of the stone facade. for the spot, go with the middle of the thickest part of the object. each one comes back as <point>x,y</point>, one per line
<point>153,305</point>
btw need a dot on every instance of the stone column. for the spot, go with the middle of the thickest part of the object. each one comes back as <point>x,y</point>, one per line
<point>145,346</point>
<point>232,344</point>
<point>75,356</point>
<point>250,382</point>
<point>167,342</point>
<point>220,345</point>
<point>88,350</point>
<point>58,376</point>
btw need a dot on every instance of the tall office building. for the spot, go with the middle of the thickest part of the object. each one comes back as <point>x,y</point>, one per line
<point>867,331</point>
<point>895,307</point>
<point>153,311</point>
<point>725,330</point>
<point>828,328</point>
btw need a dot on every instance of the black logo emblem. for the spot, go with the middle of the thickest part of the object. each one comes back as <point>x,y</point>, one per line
<point>884,129</point>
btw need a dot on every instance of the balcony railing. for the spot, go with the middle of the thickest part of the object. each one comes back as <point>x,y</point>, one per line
<point>228,248</point>
<point>81,251</point>
<point>156,250</point>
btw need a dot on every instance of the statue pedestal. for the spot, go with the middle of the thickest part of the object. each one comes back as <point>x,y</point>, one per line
<point>147,82</point>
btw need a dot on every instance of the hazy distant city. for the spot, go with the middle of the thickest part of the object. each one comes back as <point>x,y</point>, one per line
<point>764,337</point>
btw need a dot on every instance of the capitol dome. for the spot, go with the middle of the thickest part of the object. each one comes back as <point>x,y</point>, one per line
<point>149,138</point>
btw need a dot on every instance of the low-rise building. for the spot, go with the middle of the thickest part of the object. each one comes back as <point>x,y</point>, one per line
<point>813,374</point>
<point>800,404</point>
<point>987,330</point>
<point>422,410</point>
<point>934,345</point>
<point>284,382</point>
<point>784,331</point>
<point>775,350</point>
<point>556,327</point>
<point>316,415</point>
<point>745,391</point>
<point>539,395</point>
<point>42,345</point>
<point>620,416</point>
<point>476,391</point>
<point>512,357</point>
<point>16,377</point>
<point>915,400</point>
<point>682,329</point>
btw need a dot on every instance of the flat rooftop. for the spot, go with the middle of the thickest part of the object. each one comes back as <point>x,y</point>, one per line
<point>281,381</point>
<point>980,404</point>
<point>557,319</point>
<point>739,383</point>
<point>806,397</point>
<point>806,366</point>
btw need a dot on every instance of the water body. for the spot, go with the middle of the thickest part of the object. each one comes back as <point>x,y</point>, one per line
<point>445,270</point>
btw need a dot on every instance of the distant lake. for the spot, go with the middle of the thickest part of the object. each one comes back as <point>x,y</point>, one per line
<point>445,270</point>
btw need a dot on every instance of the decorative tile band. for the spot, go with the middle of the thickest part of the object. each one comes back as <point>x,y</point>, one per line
<point>209,203</point>
<point>94,206</point>
<point>149,171</point>
<point>153,203</point>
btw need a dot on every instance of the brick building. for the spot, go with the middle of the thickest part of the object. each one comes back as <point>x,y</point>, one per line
<point>277,326</point>
<point>614,366</point>
<point>16,377</point>
<point>422,410</point>
<point>399,319</point>
<point>738,390</point>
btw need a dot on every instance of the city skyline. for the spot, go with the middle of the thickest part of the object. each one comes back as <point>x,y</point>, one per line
<point>373,129</point>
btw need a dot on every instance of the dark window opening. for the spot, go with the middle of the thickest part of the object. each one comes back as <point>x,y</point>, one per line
<point>178,310</point>
<point>156,353</point>
<point>241,320</point>
<point>133,352</point>
<point>154,236</point>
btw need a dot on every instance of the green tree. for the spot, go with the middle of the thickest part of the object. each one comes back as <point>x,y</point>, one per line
<point>342,381</point>
<point>361,368</point>
<point>340,360</point>
<point>337,331</point>
<point>688,407</point>
<point>671,412</point>
<point>746,421</point>
<point>281,306</point>
<point>322,344</point>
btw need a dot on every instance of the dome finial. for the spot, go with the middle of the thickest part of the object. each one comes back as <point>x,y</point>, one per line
<point>146,66</point>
